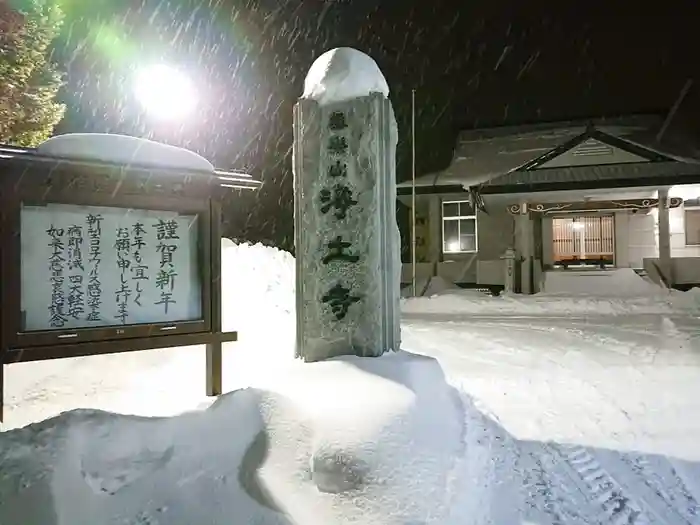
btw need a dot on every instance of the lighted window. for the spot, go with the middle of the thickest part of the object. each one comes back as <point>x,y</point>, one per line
<point>459,233</point>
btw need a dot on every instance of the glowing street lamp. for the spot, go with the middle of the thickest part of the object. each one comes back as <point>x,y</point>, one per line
<point>165,92</point>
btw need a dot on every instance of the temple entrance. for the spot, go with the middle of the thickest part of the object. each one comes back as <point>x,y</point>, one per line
<point>584,240</point>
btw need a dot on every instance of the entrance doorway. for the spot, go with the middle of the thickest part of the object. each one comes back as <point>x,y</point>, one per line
<point>584,240</point>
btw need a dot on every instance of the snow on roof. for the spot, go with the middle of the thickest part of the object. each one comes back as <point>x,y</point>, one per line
<point>443,178</point>
<point>483,154</point>
<point>342,74</point>
<point>687,192</point>
<point>122,149</point>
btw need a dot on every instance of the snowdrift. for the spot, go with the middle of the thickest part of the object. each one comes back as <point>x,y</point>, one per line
<point>567,293</point>
<point>478,303</point>
<point>623,282</point>
<point>382,446</point>
<point>258,282</point>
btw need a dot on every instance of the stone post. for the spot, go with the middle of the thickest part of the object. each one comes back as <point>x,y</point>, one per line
<point>348,266</point>
<point>509,257</point>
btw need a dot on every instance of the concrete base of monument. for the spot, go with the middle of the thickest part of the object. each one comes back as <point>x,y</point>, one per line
<point>348,440</point>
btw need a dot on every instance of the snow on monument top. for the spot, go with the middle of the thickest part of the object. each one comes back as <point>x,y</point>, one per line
<point>122,149</point>
<point>342,74</point>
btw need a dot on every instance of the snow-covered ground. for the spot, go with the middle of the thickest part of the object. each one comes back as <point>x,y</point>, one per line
<point>561,408</point>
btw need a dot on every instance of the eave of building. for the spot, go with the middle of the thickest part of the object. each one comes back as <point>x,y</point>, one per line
<point>509,159</point>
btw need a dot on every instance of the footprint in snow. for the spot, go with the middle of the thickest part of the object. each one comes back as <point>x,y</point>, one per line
<point>111,475</point>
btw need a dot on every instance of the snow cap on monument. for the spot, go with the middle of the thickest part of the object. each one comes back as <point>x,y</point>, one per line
<point>343,74</point>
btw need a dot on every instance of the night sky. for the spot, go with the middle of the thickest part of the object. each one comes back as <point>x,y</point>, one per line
<point>473,64</point>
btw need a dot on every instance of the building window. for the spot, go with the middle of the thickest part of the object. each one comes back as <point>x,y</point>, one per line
<point>692,227</point>
<point>458,227</point>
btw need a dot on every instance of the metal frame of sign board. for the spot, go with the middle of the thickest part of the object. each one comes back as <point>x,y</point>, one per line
<point>36,180</point>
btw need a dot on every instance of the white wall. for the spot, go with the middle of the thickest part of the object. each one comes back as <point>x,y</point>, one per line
<point>636,237</point>
<point>641,237</point>
<point>677,225</point>
<point>462,270</point>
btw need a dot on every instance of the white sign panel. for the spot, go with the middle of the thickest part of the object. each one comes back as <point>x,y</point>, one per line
<point>88,266</point>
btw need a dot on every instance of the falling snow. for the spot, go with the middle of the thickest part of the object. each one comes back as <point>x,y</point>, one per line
<point>472,65</point>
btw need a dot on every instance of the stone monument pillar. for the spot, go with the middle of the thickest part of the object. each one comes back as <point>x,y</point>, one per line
<point>509,258</point>
<point>347,239</point>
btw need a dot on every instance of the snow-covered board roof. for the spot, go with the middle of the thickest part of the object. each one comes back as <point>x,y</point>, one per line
<point>484,154</point>
<point>123,150</point>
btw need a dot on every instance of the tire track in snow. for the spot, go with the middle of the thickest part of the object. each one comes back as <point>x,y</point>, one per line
<point>609,501</point>
<point>587,494</point>
<point>547,491</point>
<point>660,476</point>
<point>622,496</point>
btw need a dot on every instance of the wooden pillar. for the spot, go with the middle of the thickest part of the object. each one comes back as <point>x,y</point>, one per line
<point>214,362</point>
<point>435,232</point>
<point>665,238</point>
<point>538,252</point>
<point>524,238</point>
<point>547,242</point>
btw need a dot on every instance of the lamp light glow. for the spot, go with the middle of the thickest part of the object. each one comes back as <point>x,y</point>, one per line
<point>165,92</point>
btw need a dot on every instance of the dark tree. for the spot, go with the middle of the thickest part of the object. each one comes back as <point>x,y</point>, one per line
<point>29,80</point>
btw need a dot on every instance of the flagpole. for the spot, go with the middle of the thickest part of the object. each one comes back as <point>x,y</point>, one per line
<point>413,191</point>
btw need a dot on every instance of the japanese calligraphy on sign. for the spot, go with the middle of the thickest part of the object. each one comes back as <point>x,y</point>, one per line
<point>88,267</point>
<point>122,247</point>
<point>94,288</point>
<point>166,233</point>
<point>336,201</point>
<point>56,263</point>
<point>347,243</point>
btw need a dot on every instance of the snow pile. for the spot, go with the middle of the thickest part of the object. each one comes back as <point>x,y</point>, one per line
<point>472,302</point>
<point>387,447</point>
<point>258,302</point>
<point>258,282</point>
<point>342,74</point>
<point>567,293</point>
<point>687,302</point>
<point>130,470</point>
<point>623,282</point>
<point>122,149</point>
